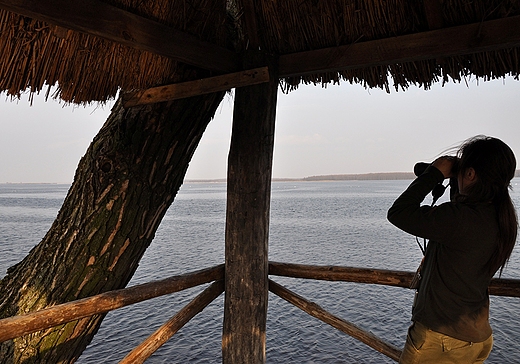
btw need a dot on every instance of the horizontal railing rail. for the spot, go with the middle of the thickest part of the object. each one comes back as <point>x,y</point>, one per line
<point>17,326</point>
<point>498,286</point>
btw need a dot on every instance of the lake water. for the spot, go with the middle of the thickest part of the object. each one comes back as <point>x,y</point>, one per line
<point>320,223</point>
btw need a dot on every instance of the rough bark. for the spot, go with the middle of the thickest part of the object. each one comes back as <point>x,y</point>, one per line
<point>247,223</point>
<point>122,188</point>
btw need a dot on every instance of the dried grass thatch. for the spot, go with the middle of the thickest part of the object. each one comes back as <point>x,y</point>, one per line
<point>294,26</point>
<point>35,55</point>
<point>84,68</point>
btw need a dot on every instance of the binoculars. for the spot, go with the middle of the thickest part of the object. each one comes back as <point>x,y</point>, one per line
<point>439,189</point>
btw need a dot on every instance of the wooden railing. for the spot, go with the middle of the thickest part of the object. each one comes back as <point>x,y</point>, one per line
<point>17,326</point>
<point>60,314</point>
<point>498,287</point>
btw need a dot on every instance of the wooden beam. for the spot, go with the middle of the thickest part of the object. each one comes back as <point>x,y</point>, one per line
<point>497,287</point>
<point>347,327</point>
<point>505,287</point>
<point>473,38</point>
<point>100,19</point>
<point>144,350</point>
<point>17,326</point>
<point>343,274</point>
<point>198,87</point>
<point>247,220</point>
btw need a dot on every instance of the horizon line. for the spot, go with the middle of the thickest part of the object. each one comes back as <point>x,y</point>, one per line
<point>324,177</point>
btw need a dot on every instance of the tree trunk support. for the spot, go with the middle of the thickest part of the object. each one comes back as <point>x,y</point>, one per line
<point>247,221</point>
<point>123,186</point>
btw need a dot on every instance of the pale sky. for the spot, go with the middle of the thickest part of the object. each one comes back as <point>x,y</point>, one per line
<point>338,130</point>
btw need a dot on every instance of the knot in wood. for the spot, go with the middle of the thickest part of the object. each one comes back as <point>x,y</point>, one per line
<point>106,166</point>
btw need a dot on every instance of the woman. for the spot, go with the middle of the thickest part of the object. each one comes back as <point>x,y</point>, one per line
<point>470,238</point>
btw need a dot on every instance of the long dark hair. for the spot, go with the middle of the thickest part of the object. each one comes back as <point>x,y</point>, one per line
<point>495,165</point>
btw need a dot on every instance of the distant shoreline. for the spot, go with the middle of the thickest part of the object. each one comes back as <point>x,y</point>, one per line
<point>383,176</point>
<point>329,177</point>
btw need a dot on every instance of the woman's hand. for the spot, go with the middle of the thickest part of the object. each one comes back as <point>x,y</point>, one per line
<point>445,164</point>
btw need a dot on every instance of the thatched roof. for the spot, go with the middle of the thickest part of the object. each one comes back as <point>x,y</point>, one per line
<point>377,43</point>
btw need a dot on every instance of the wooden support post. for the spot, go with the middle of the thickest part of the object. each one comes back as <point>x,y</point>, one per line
<point>247,222</point>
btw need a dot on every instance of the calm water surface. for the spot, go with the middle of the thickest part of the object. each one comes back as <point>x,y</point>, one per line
<point>323,223</point>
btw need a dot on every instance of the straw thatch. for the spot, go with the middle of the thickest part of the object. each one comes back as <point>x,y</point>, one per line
<point>291,26</point>
<point>34,54</point>
<point>86,68</point>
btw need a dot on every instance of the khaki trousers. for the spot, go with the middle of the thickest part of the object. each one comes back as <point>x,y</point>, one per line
<point>425,346</point>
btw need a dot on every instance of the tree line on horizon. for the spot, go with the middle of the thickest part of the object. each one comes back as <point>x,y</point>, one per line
<point>341,177</point>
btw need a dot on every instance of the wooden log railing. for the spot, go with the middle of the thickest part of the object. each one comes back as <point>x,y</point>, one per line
<point>166,331</point>
<point>17,326</point>
<point>498,286</point>
<point>347,327</point>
